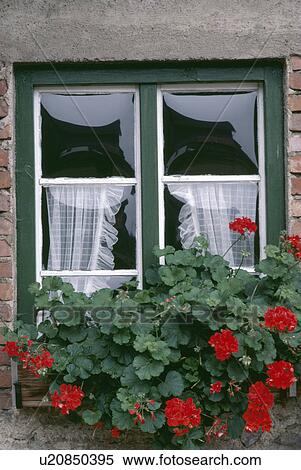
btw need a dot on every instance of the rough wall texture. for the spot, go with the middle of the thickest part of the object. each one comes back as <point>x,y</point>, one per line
<point>58,30</point>
<point>39,429</point>
<point>6,226</point>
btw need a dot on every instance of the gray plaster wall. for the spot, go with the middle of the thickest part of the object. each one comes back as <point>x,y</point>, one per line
<point>107,30</point>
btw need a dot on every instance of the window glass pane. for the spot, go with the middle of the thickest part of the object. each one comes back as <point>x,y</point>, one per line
<point>89,227</point>
<point>207,208</point>
<point>87,135</point>
<point>210,133</point>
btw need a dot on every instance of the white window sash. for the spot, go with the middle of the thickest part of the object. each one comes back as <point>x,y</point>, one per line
<point>120,181</point>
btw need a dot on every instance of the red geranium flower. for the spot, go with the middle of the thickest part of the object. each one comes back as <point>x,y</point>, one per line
<point>281,375</point>
<point>182,413</point>
<point>260,395</point>
<point>115,433</point>
<point>12,349</point>
<point>293,243</point>
<point>68,398</point>
<point>280,318</point>
<point>216,387</point>
<point>224,344</point>
<point>180,432</point>
<point>243,225</point>
<point>257,417</point>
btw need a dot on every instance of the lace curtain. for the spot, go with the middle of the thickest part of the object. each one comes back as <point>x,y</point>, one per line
<point>81,231</point>
<point>208,208</point>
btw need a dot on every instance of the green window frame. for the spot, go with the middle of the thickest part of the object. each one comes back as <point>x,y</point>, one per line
<point>269,75</point>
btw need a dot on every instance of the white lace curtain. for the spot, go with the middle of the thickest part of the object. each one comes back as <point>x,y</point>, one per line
<point>208,208</point>
<point>81,231</point>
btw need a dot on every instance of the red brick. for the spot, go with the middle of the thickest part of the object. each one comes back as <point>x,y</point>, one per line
<point>295,143</point>
<point>294,164</point>
<point>296,227</point>
<point>5,249</point>
<point>5,312</point>
<point>295,122</point>
<point>3,157</point>
<point>296,186</point>
<point>6,291</point>
<point>5,399</point>
<point>5,378</point>
<point>3,108</point>
<point>5,270</point>
<point>295,81</point>
<point>4,203</point>
<point>5,133</point>
<point>6,227</point>
<point>4,359</point>
<point>5,179</point>
<point>294,102</point>
<point>3,87</point>
<point>296,62</point>
<point>295,207</point>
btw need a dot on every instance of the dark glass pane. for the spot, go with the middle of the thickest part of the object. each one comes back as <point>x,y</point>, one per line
<point>210,133</point>
<point>75,222</point>
<point>87,135</point>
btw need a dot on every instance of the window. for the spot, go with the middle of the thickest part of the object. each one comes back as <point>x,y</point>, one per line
<point>88,186</point>
<point>111,162</point>
<point>211,165</point>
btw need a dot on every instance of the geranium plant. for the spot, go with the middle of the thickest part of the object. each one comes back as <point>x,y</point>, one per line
<point>195,356</point>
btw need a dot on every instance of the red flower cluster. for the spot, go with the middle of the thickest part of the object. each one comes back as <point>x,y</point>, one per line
<point>281,375</point>
<point>257,414</point>
<point>140,408</point>
<point>243,225</point>
<point>294,245</point>
<point>280,318</point>
<point>115,432</point>
<point>68,398</point>
<point>216,387</point>
<point>224,344</point>
<point>217,430</point>
<point>182,413</point>
<point>36,363</point>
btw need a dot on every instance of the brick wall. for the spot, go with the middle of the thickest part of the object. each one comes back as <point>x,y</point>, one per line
<point>6,228</point>
<point>294,144</point>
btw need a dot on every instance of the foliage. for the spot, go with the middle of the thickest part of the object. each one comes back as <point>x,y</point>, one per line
<point>130,347</point>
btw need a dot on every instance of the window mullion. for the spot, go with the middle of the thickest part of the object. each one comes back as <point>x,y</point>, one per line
<point>149,172</point>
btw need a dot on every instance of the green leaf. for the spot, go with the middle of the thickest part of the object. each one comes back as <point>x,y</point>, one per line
<point>235,427</point>
<point>91,417</point>
<point>152,425</point>
<point>158,349</point>
<point>121,419</point>
<point>175,334</point>
<point>129,379</point>
<point>172,385</point>
<point>102,298</point>
<point>112,367</point>
<point>122,336</point>
<point>146,368</point>
<point>158,252</point>
<point>236,371</point>
<point>48,329</point>
<point>170,275</point>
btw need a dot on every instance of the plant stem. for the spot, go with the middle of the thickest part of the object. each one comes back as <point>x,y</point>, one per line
<point>232,244</point>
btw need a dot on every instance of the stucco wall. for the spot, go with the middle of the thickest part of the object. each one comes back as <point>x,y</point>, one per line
<point>58,30</point>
